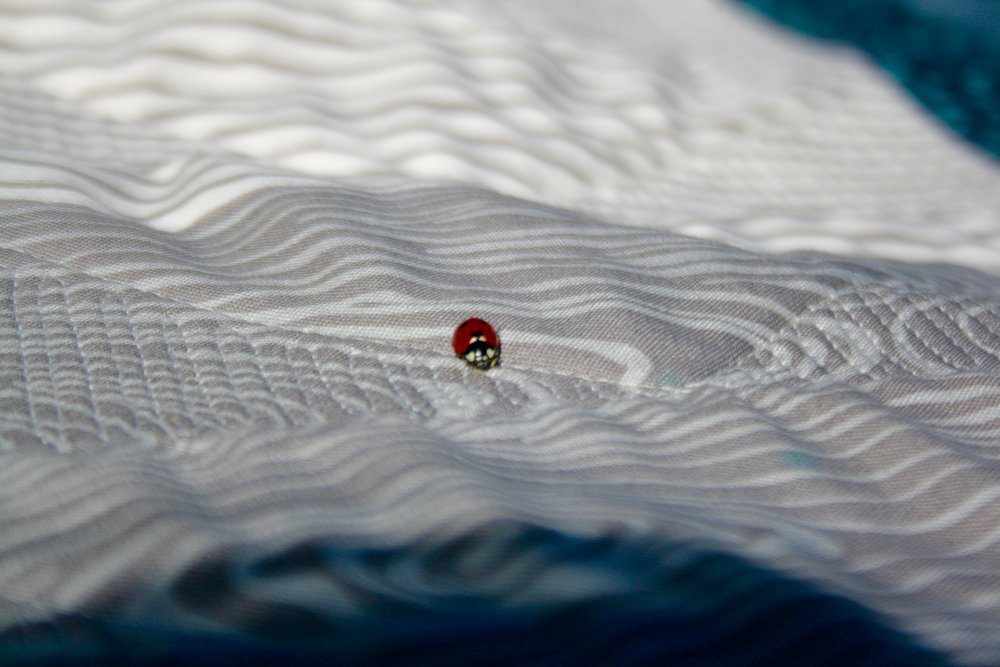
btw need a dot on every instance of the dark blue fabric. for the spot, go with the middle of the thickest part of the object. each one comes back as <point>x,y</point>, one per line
<point>503,595</point>
<point>946,52</point>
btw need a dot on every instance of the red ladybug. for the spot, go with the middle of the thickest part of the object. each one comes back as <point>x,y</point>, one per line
<point>477,342</point>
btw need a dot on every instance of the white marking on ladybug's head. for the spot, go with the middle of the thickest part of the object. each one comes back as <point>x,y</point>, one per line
<point>491,352</point>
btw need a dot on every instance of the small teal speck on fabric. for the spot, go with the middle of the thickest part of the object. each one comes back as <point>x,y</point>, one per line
<point>800,460</point>
<point>671,379</point>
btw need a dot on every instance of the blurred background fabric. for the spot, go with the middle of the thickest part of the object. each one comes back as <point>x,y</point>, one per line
<point>946,52</point>
<point>743,257</point>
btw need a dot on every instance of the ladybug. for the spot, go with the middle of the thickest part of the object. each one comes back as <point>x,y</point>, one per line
<point>477,342</point>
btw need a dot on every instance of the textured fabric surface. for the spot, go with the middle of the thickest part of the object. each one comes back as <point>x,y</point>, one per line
<point>236,238</point>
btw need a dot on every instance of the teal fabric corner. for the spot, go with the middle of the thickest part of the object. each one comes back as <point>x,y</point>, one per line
<point>946,53</point>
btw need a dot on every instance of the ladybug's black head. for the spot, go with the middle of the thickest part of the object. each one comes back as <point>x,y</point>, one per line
<point>481,354</point>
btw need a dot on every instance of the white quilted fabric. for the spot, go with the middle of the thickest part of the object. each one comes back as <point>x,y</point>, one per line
<point>236,236</point>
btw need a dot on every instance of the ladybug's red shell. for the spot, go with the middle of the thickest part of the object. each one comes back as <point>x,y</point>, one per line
<point>477,343</point>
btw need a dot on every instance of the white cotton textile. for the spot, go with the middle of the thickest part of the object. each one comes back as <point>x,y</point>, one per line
<point>235,238</point>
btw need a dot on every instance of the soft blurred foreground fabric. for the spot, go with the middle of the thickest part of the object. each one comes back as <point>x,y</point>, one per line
<point>748,411</point>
